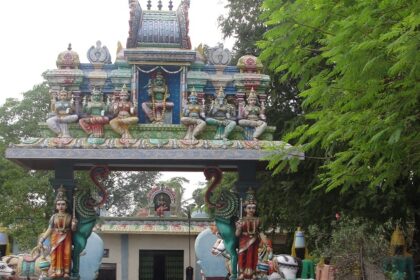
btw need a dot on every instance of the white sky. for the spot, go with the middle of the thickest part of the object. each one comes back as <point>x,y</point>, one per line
<point>34,32</point>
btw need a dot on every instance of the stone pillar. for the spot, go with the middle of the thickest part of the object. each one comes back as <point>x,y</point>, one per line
<point>247,178</point>
<point>64,176</point>
<point>77,102</point>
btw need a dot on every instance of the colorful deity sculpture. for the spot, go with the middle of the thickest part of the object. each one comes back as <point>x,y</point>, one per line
<point>253,116</point>
<point>191,117</point>
<point>248,231</point>
<point>220,116</point>
<point>162,206</point>
<point>158,105</point>
<point>95,109</point>
<point>59,231</point>
<point>225,210</point>
<point>61,114</point>
<point>124,113</point>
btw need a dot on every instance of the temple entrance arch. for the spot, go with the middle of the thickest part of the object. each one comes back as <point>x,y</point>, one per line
<point>160,106</point>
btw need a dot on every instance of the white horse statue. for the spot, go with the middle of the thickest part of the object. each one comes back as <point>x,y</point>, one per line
<point>5,270</point>
<point>285,267</point>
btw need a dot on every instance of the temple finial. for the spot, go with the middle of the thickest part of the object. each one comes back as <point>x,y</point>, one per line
<point>170,5</point>
<point>69,47</point>
<point>160,5</point>
<point>149,4</point>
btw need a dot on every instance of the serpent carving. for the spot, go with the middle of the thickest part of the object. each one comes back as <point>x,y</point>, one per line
<point>225,210</point>
<point>85,203</point>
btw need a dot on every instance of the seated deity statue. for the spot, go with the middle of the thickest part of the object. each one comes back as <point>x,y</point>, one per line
<point>95,109</point>
<point>61,114</point>
<point>162,207</point>
<point>220,115</point>
<point>124,112</point>
<point>253,116</point>
<point>191,117</point>
<point>158,105</point>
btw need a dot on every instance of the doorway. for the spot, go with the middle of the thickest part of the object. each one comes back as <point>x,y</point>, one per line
<point>161,264</point>
<point>107,271</point>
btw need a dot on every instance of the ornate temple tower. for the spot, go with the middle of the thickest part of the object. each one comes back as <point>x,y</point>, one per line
<point>158,47</point>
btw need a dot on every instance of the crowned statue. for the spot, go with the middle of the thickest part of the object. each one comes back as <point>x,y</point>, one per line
<point>158,105</point>
<point>62,113</point>
<point>250,235</point>
<point>252,117</point>
<point>191,117</point>
<point>95,108</point>
<point>220,115</point>
<point>59,232</point>
<point>124,112</point>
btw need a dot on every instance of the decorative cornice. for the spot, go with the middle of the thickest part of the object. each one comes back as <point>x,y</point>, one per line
<point>142,154</point>
<point>160,56</point>
<point>159,226</point>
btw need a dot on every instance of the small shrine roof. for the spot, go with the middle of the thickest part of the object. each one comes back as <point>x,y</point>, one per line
<point>135,225</point>
<point>158,28</point>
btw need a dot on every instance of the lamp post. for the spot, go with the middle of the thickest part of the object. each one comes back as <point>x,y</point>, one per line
<point>189,271</point>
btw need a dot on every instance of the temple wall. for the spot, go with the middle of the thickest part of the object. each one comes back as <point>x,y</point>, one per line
<point>137,242</point>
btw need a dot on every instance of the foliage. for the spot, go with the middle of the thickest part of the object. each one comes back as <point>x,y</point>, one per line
<point>23,208</point>
<point>353,62</point>
<point>19,118</point>
<point>293,49</point>
<point>127,190</point>
<point>350,242</point>
<point>25,194</point>
<point>244,26</point>
<point>198,196</point>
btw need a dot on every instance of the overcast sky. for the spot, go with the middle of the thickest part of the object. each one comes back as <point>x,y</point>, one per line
<point>34,32</point>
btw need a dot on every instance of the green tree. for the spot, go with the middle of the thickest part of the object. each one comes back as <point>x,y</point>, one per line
<point>128,191</point>
<point>26,195</point>
<point>357,63</point>
<point>244,26</point>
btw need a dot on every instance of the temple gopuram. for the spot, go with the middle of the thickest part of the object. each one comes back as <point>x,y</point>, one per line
<point>161,105</point>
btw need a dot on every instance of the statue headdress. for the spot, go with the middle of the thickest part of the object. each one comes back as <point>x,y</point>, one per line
<point>159,75</point>
<point>124,89</point>
<point>96,91</point>
<point>250,197</point>
<point>61,194</point>
<point>63,89</point>
<point>252,94</point>
<point>193,93</point>
<point>221,93</point>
